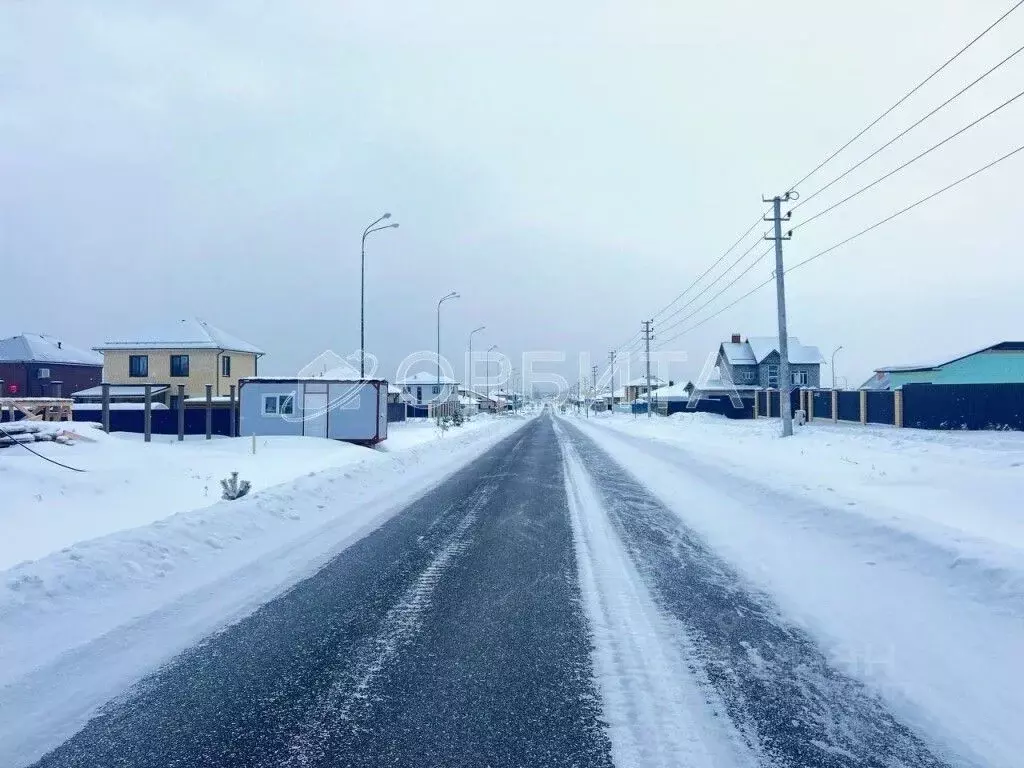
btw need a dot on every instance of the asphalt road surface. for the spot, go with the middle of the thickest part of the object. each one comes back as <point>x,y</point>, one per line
<point>457,635</point>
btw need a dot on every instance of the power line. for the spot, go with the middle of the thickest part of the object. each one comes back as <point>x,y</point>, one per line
<point>912,160</point>
<point>909,93</point>
<point>849,239</point>
<point>905,131</point>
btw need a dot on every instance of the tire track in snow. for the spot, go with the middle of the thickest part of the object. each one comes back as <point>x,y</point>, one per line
<point>658,713</point>
<point>776,684</point>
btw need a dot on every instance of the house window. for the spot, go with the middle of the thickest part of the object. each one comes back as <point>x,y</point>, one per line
<point>179,365</point>
<point>437,389</point>
<point>773,376</point>
<point>279,405</point>
<point>225,365</point>
<point>43,373</point>
<point>800,378</point>
<point>138,366</point>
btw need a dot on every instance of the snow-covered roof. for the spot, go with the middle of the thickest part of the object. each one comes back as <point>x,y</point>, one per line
<point>755,349</point>
<point>122,390</point>
<point>738,354</point>
<point>394,390</point>
<point>663,393</point>
<point>641,381</point>
<point>1002,346</point>
<point>183,334</point>
<point>424,377</point>
<point>37,348</point>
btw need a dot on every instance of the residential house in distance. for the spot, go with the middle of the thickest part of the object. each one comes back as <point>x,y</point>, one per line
<point>189,352</point>
<point>1000,363</point>
<point>754,363</point>
<point>425,388</point>
<point>34,365</point>
<point>637,388</point>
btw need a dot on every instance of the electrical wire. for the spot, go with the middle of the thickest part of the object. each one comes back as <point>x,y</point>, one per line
<point>851,238</point>
<point>912,160</point>
<point>807,198</point>
<point>36,453</point>
<point>909,93</point>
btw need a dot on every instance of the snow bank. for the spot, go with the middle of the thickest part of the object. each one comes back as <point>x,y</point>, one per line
<point>105,611</point>
<point>899,551</point>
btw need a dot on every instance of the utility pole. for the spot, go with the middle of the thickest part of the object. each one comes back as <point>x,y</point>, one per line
<point>593,385</point>
<point>785,380</point>
<point>611,383</point>
<point>648,335</point>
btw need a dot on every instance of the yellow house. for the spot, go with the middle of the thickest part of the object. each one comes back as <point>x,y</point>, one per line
<point>190,352</point>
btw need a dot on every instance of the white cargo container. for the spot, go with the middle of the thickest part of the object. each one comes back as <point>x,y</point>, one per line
<point>354,410</point>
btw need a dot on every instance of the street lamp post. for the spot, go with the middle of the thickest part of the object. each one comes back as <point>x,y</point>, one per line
<point>492,348</point>
<point>452,295</point>
<point>362,288</point>
<point>834,365</point>
<point>469,372</point>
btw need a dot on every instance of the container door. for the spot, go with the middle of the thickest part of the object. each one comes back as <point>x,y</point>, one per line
<point>314,413</point>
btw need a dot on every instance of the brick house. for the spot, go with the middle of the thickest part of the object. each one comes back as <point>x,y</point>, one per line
<point>34,365</point>
<point>754,362</point>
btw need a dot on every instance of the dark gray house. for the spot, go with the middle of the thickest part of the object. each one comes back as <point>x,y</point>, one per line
<point>34,365</point>
<point>754,362</point>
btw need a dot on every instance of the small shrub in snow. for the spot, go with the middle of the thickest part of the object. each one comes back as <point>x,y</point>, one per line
<point>457,418</point>
<point>234,488</point>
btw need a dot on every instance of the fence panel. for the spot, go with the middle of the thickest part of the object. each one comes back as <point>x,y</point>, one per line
<point>822,403</point>
<point>762,403</point>
<point>963,406</point>
<point>396,412</point>
<point>881,408</point>
<point>849,406</point>
<point>721,405</point>
<point>164,422</point>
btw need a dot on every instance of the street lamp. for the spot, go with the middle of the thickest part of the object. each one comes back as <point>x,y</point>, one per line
<point>452,295</point>
<point>491,349</point>
<point>834,365</point>
<point>469,375</point>
<point>362,288</point>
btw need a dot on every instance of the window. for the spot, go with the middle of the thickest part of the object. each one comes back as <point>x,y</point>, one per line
<point>43,373</point>
<point>437,389</point>
<point>279,405</point>
<point>744,376</point>
<point>800,377</point>
<point>179,365</point>
<point>138,366</point>
<point>773,376</point>
<point>225,365</point>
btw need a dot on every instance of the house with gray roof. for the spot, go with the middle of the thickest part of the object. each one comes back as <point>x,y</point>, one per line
<point>754,362</point>
<point>35,365</point>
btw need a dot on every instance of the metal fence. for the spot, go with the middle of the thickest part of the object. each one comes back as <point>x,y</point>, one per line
<point>963,406</point>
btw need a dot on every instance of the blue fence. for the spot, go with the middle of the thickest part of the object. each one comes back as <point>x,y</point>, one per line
<point>723,406</point>
<point>881,408</point>
<point>849,406</point>
<point>396,412</point>
<point>164,421</point>
<point>822,403</point>
<point>963,406</point>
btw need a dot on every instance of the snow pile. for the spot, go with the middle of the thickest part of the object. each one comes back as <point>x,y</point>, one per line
<point>900,551</point>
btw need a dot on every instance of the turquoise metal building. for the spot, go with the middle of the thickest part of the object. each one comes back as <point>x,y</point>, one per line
<point>1001,363</point>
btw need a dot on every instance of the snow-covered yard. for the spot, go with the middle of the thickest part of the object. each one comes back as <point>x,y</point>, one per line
<point>140,550</point>
<point>900,551</point>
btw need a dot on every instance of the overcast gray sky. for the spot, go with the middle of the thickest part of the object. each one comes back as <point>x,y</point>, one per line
<point>568,167</point>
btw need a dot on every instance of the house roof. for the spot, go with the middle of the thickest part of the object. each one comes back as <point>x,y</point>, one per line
<point>641,381</point>
<point>37,348</point>
<point>183,334</point>
<point>1002,346</point>
<point>756,349</point>
<point>674,391</point>
<point>424,377</point>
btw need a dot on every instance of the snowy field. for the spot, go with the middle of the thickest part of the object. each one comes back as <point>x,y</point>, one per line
<point>139,552</point>
<point>900,551</point>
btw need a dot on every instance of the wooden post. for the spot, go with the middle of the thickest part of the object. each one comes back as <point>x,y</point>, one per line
<point>106,408</point>
<point>757,399</point>
<point>181,412</point>
<point>808,397</point>
<point>897,396</point>
<point>835,406</point>
<point>863,406</point>
<point>234,413</point>
<point>148,417</point>
<point>209,411</point>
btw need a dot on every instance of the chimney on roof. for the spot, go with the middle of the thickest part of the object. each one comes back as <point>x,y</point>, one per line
<point>736,338</point>
<point>58,344</point>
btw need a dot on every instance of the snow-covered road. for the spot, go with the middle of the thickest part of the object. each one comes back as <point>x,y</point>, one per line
<point>581,596</point>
